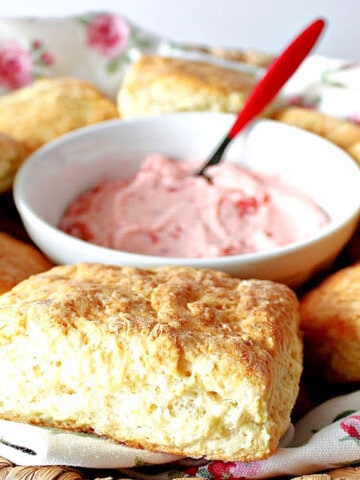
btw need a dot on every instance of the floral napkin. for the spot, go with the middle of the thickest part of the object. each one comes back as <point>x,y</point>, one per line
<point>98,47</point>
<point>95,46</point>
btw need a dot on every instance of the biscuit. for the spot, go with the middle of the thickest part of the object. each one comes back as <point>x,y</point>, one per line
<point>354,151</point>
<point>12,155</point>
<point>330,320</point>
<point>173,359</point>
<point>154,85</point>
<point>50,107</point>
<point>18,260</point>
<point>343,133</point>
<point>249,57</point>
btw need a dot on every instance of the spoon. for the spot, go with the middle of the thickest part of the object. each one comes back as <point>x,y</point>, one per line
<point>279,71</point>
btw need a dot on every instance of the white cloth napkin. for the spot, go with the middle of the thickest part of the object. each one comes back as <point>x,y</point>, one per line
<point>95,47</point>
<point>25,444</point>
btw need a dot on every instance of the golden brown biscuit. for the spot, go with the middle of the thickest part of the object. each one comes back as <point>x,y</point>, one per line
<point>344,134</point>
<point>173,359</point>
<point>18,260</point>
<point>51,107</point>
<point>330,320</point>
<point>155,84</point>
<point>12,155</point>
<point>354,150</point>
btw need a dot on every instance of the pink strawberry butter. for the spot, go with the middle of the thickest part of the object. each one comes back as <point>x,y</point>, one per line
<point>165,210</point>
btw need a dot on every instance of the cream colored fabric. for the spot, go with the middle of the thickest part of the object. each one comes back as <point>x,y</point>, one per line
<point>31,445</point>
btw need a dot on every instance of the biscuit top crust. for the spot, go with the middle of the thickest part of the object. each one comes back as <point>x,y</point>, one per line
<point>152,68</point>
<point>50,107</point>
<point>171,359</point>
<point>183,311</point>
<point>330,321</point>
<point>333,306</point>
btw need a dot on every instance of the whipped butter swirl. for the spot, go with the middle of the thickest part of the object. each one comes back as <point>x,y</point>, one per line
<point>164,210</point>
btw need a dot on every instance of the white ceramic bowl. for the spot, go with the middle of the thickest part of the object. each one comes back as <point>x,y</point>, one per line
<point>58,172</point>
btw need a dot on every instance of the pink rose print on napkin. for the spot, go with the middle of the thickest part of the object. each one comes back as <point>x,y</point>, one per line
<point>16,65</point>
<point>41,56</point>
<point>19,66</point>
<point>107,34</point>
<point>112,37</point>
<point>218,470</point>
<point>351,426</point>
<point>304,100</point>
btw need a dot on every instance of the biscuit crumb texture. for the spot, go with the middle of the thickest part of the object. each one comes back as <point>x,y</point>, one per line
<point>173,359</point>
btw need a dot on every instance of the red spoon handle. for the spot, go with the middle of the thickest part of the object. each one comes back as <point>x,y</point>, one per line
<point>279,71</point>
